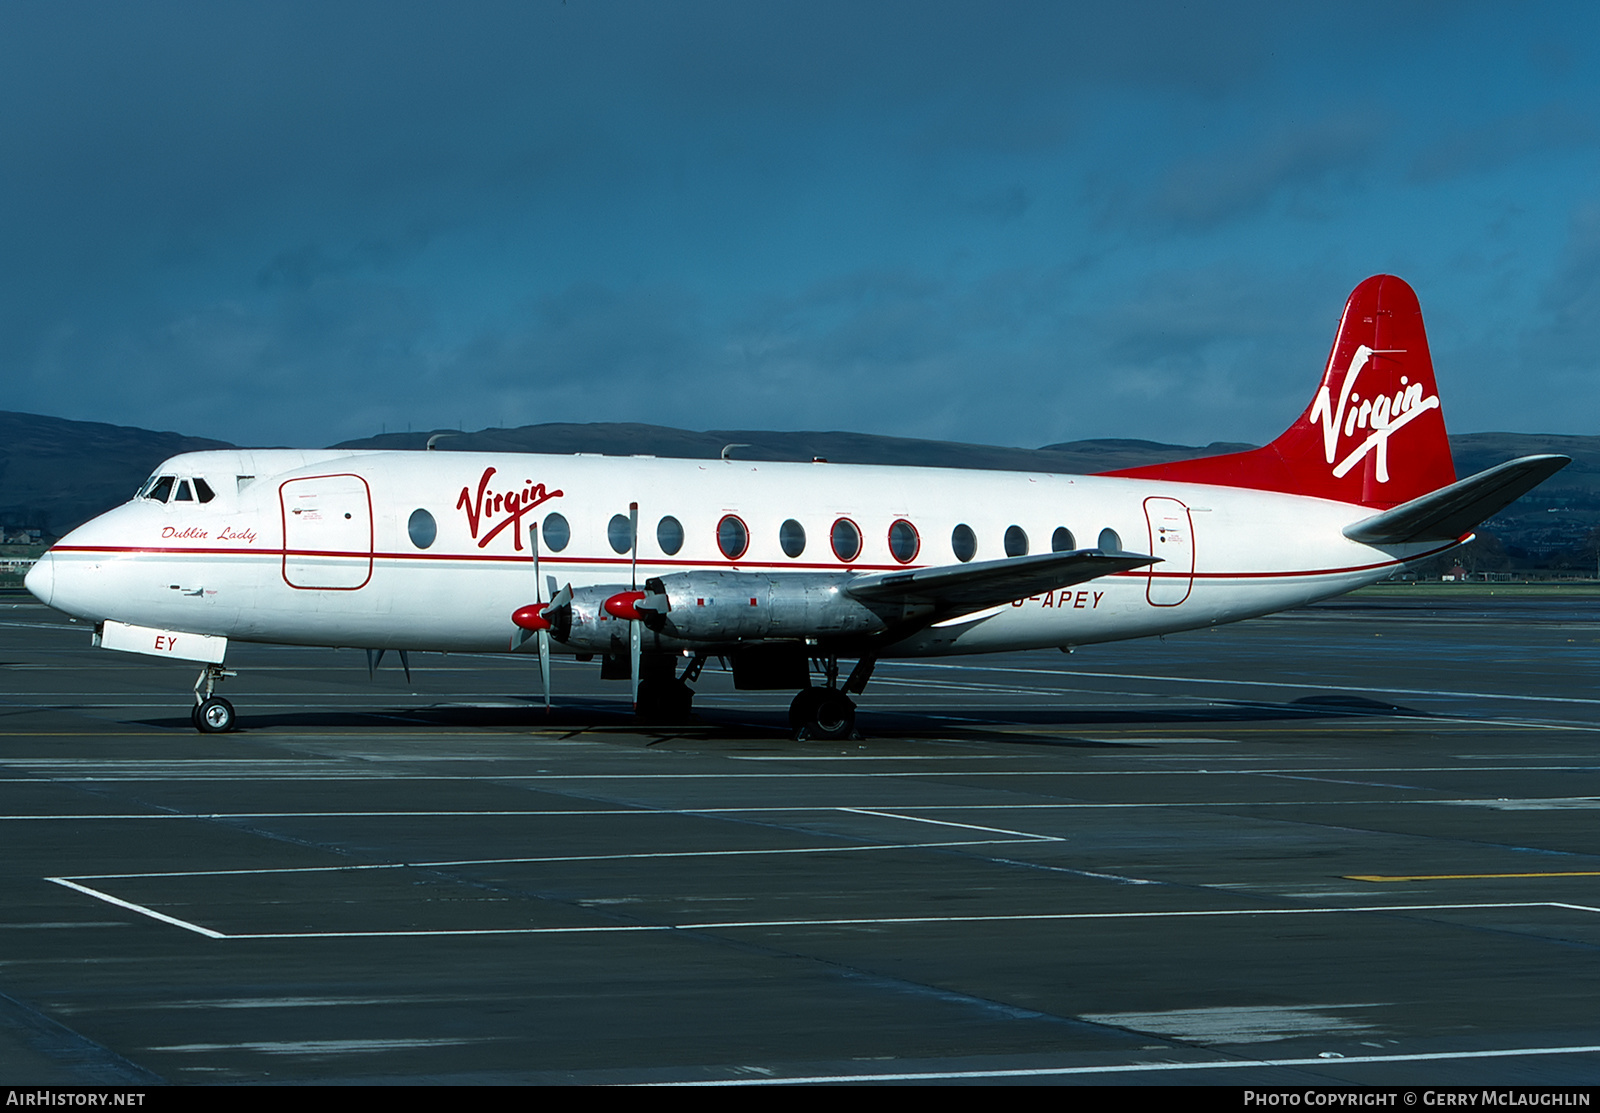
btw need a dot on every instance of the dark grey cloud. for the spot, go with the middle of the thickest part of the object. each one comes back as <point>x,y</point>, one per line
<point>1505,139</point>
<point>1568,337</point>
<point>313,219</point>
<point>1240,180</point>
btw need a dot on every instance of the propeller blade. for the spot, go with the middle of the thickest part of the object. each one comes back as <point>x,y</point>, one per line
<point>636,627</point>
<point>544,665</point>
<point>533,546</point>
<point>635,651</point>
<point>633,531</point>
<point>543,634</point>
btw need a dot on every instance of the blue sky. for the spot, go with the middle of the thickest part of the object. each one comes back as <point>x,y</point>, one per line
<point>1010,223</point>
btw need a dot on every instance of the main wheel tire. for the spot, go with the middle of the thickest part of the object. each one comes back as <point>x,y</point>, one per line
<point>665,701</point>
<point>804,707</point>
<point>214,716</point>
<point>824,713</point>
<point>834,717</point>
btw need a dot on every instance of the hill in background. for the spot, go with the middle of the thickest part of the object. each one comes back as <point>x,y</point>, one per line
<point>56,474</point>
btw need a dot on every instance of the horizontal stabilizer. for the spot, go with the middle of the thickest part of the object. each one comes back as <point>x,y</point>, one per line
<point>1450,512</point>
<point>959,588</point>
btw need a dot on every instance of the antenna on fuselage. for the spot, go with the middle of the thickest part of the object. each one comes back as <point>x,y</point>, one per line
<point>433,440</point>
<point>727,448</point>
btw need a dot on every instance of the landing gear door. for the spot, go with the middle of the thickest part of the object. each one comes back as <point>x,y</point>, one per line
<point>1171,539</point>
<point>327,532</point>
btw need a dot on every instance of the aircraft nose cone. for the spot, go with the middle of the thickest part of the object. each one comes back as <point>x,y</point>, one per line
<point>41,579</point>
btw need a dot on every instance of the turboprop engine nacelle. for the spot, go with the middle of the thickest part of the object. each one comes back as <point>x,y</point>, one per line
<point>739,606</point>
<point>585,625</point>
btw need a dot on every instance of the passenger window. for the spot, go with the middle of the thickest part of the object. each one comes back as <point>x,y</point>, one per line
<point>421,528</point>
<point>669,535</point>
<point>160,489</point>
<point>556,532</point>
<point>792,538</point>
<point>184,494</point>
<point>1016,541</point>
<point>1109,541</point>
<point>846,539</point>
<point>619,531</point>
<point>903,541</point>
<point>202,490</point>
<point>732,537</point>
<point>964,543</point>
<point>1061,541</point>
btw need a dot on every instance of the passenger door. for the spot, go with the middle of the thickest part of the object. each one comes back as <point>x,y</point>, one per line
<point>1171,539</point>
<point>327,532</point>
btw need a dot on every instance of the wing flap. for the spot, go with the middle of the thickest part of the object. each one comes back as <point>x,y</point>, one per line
<point>957,588</point>
<point>1450,512</point>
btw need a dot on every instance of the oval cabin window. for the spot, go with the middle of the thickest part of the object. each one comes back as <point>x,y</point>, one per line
<point>903,541</point>
<point>963,543</point>
<point>792,538</point>
<point>669,535</point>
<point>846,539</point>
<point>422,528</point>
<point>732,537</point>
<point>619,531</point>
<point>556,532</point>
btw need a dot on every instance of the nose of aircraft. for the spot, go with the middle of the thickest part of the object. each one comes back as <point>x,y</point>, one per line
<point>41,579</point>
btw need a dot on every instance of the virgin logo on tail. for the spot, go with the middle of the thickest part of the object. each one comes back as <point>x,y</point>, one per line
<point>1383,415</point>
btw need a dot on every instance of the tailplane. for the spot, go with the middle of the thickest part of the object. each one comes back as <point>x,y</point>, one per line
<point>1373,434</point>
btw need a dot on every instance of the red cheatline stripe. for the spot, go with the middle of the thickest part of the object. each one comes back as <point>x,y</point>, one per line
<point>511,558</point>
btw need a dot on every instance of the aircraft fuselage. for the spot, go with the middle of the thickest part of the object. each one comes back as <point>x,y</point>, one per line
<point>430,550</point>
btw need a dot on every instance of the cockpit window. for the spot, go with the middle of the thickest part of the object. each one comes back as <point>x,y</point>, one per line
<point>202,490</point>
<point>159,489</point>
<point>184,493</point>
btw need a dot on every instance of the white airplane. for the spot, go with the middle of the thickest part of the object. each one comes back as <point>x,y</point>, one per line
<point>779,568</point>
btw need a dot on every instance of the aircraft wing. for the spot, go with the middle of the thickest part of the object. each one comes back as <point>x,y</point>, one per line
<point>958,588</point>
<point>1449,512</point>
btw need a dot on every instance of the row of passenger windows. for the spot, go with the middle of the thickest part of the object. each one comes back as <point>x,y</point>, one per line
<point>733,537</point>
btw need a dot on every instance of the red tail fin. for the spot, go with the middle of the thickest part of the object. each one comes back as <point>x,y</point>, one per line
<point>1373,434</point>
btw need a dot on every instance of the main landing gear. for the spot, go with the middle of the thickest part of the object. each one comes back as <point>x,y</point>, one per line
<point>664,697</point>
<point>212,714</point>
<point>827,713</point>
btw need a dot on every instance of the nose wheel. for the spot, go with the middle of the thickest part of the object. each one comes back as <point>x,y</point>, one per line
<point>212,714</point>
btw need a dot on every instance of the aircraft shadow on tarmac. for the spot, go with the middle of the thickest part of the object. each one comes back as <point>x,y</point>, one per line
<point>951,721</point>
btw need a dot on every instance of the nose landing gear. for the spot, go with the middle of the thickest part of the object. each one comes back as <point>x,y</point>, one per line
<point>212,714</point>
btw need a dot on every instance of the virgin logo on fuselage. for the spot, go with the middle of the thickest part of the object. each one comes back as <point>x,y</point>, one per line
<point>482,507</point>
<point>1384,415</point>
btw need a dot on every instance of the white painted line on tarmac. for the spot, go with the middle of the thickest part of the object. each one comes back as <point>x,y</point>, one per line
<point>139,908</point>
<point>565,858</point>
<point>1502,803</point>
<point>882,921</point>
<point>1138,1068</point>
<point>1027,836</point>
<point>1068,674</point>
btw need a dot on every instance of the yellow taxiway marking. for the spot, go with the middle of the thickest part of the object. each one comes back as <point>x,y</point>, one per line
<point>1463,876</point>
